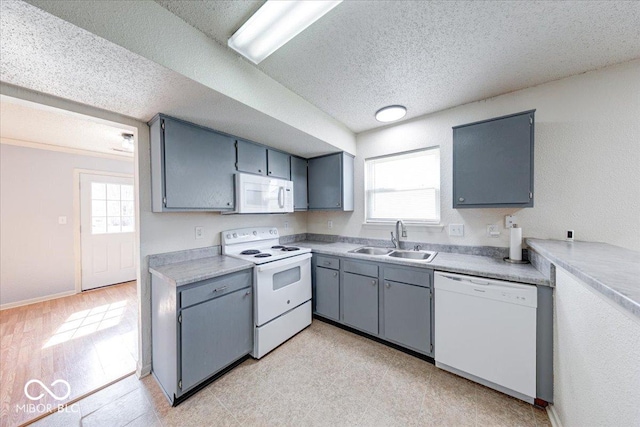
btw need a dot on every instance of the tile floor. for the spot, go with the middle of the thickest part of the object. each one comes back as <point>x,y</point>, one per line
<point>88,340</point>
<point>324,376</point>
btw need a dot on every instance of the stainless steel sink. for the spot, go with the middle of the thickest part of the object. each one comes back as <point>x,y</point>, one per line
<point>424,256</point>
<point>370,250</point>
<point>418,256</point>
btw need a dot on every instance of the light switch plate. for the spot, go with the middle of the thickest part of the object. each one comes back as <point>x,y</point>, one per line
<point>329,224</point>
<point>62,220</point>
<point>456,230</point>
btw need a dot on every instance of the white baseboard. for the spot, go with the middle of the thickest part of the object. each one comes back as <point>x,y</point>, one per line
<point>35,300</point>
<point>553,416</point>
<point>143,371</point>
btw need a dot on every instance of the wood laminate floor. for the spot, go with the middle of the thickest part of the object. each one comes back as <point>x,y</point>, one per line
<point>88,340</point>
<point>324,376</point>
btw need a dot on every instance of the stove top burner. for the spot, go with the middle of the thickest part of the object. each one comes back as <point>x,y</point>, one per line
<point>250,252</point>
<point>262,255</point>
<point>290,249</point>
<point>277,247</point>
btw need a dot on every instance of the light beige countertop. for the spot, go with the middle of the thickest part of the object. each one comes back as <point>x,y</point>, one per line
<point>493,268</point>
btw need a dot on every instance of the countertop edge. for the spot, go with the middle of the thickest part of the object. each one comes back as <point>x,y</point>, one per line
<point>198,278</point>
<point>432,266</point>
<point>594,283</point>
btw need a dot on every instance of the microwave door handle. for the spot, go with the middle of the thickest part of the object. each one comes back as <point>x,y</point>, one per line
<point>281,197</point>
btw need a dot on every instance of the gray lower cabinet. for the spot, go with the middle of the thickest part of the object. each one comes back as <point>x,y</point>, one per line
<point>407,315</point>
<point>330,181</point>
<point>299,178</point>
<point>327,293</point>
<point>359,300</point>
<point>493,162</point>
<point>199,329</point>
<point>389,301</point>
<point>278,165</point>
<point>192,167</point>
<point>251,158</point>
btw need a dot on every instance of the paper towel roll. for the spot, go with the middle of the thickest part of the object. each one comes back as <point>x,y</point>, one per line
<point>515,245</point>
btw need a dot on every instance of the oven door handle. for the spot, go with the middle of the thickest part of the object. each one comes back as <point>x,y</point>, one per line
<point>296,259</point>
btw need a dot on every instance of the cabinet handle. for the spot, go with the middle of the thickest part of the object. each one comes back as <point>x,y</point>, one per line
<point>338,204</point>
<point>270,172</point>
<point>373,282</point>
<point>461,199</point>
<point>387,285</point>
<point>335,274</point>
<point>220,289</point>
<point>247,293</point>
<point>327,263</point>
<point>260,170</point>
<point>228,203</point>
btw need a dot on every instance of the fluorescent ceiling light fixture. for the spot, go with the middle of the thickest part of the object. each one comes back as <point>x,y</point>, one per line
<point>391,113</point>
<point>274,24</point>
<point>127,141</point>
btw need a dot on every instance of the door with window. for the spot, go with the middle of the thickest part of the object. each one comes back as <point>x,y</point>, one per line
<point>107,230</point>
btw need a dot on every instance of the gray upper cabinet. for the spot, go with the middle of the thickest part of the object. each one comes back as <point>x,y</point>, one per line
<point>493,162</point>
<point>251,158</point>
<point>191,167</point>
<point>331,182</point>
<point>299,178</point>
<point>278,165</point>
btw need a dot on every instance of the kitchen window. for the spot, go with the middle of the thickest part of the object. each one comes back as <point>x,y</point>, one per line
<point>404,186</point>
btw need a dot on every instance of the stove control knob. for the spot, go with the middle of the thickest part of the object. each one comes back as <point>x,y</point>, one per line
<point>235,235</point>
<point>228,236</point>
<point>255,233</point>
<point>270,231</point>
<point>274,231</point>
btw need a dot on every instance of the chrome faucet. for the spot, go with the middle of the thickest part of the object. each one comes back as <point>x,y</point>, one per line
<point>400,230</point>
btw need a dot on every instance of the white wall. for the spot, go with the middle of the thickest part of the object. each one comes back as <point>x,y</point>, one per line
<point>596,358</point>
<point>37,256</point>
<point>587,163</point>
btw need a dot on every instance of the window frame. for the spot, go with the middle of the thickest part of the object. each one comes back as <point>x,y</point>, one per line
<point>385,221</point>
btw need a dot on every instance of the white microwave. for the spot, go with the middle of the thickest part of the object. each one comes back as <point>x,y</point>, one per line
<point>261,194</point>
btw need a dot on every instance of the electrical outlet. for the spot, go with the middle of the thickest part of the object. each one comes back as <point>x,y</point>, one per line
<point>570,236</point>
<point>286,225</point>
<point>456,230</point>
<point>329,224</point>
<point>509,220</point>
<point>492,231</point>
<point>199,232</point>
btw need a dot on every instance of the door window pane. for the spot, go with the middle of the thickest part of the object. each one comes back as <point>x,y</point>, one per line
<point>112,208</point>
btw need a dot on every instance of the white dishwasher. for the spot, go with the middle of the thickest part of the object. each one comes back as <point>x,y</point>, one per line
<point>485,330</point>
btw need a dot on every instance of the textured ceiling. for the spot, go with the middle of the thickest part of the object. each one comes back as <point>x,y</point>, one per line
<point>432,55</point>
<point>44,53</point>
<point>30,122</point>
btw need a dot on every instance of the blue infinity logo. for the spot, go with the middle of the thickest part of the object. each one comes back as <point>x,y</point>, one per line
<point>52,394</point>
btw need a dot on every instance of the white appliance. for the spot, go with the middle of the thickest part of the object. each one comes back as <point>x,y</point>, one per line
<point>261,194</point>
<point>281,282</point>
<point>485,330</point>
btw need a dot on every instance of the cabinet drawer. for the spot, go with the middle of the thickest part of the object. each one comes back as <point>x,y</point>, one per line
<point>370,270</point>
<point>413,277</point>
<point>327,262</point>
<point>215,287</point>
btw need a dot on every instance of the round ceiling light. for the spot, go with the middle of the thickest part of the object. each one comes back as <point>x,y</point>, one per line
<point>391,113</point>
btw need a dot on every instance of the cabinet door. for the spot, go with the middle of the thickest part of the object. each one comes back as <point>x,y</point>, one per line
<point>325,182</point>
<point>215,334</point>
<point>359,297</point>
<point>278,165</point>
<point>252,157</point>
<point>198,167</point>
<point>493,163</point>
<point>407,315</point>
<point>327,296</point>
<point>299,178</point>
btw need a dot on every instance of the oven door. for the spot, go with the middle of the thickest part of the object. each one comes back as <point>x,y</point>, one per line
<point>281,286</point>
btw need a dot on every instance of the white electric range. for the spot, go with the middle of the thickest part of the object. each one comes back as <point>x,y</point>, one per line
<point>281,282</point>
